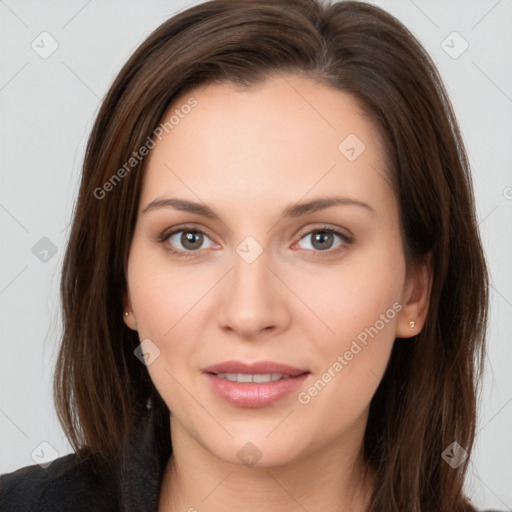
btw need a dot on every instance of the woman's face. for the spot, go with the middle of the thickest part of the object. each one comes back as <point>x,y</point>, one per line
<point>255,276</point>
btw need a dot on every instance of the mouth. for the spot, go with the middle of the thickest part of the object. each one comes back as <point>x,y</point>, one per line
<point>254,385</point>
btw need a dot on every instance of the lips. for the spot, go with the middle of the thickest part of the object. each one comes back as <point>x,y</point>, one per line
<point>254,385</point>
<point>260,367</point>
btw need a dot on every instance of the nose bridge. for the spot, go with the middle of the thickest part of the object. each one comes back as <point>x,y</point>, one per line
<point>252,300</point>
<point>250,279</point>
<point>250,273</point>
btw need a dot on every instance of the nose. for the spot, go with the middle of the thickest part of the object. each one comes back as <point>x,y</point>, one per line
<point>254,299</point>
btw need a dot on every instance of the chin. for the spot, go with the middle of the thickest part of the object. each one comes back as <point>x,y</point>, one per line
<point>256,453</point>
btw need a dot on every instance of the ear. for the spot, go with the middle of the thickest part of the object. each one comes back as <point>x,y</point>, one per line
<point>415,298</point>
<point>129,319</point>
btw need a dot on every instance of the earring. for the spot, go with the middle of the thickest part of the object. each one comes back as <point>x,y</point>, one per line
<point>127,313</point>
<point>412,324</point>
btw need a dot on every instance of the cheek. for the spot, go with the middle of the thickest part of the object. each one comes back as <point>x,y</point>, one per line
<point>163,302</point>
<point>349,368</point>
<point>361,310</point>
<point>167,302</point>
<point>163,294</point>
<point>350,298</point>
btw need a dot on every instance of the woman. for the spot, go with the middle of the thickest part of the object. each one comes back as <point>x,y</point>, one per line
<point>274,290</point>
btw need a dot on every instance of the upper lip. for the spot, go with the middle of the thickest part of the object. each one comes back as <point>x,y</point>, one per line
<point>259,367</point>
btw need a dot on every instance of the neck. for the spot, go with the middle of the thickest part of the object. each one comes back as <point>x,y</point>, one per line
<point>332,479</point>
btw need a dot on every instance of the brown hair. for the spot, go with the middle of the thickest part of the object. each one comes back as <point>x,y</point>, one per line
<point>427,398</point>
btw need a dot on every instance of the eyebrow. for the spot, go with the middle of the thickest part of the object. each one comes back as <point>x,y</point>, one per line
<point>291,211</point>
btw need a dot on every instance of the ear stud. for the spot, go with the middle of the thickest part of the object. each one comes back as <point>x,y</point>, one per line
<point>126,313</point>
<point>412,324</point>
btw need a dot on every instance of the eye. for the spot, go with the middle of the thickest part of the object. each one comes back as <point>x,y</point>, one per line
<point>323,239</point>
<point>190,239</point>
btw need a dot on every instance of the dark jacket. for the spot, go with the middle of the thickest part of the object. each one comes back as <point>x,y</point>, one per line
<point>74,484</point>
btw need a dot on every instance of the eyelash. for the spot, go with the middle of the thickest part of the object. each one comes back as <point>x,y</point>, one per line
<point>164,238</point>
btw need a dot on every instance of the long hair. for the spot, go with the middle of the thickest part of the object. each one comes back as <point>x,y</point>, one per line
<point>428,396</point>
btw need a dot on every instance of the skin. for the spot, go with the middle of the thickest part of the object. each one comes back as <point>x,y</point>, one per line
<point>247,154</point>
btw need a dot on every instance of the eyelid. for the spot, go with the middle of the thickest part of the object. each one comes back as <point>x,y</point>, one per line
<point>183,227</point>
<point>343,232</point>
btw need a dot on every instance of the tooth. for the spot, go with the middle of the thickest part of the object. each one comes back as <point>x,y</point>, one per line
<point>263,377</point>
<point>248,377</point>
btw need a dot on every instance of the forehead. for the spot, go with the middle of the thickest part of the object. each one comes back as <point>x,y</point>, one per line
<point>278,140</point>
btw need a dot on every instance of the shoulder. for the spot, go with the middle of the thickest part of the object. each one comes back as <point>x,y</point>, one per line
<point>68,483</point>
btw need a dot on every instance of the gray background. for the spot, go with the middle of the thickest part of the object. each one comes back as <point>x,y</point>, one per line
<point>47,106</point>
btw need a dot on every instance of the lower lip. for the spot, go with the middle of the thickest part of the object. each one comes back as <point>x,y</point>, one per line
<point>254,395</point>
